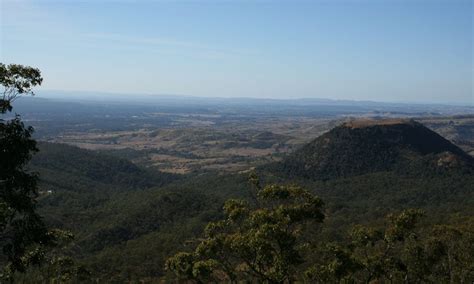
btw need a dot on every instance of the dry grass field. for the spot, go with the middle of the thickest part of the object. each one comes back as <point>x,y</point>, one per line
<point>194,143</point>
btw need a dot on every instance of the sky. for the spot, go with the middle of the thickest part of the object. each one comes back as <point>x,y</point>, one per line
<point>380,50</point>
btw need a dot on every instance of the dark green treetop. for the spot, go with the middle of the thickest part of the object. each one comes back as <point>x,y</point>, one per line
<point>22,231</point>
<point>260,241</point>
<point>17,80</point>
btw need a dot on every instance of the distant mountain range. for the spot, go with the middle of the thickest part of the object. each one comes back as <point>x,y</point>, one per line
<point>104,97</point>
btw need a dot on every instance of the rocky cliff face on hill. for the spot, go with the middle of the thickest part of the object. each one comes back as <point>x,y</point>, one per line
<point>366,146</point>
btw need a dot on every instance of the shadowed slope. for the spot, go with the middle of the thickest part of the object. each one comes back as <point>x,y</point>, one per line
<point>366,146</point>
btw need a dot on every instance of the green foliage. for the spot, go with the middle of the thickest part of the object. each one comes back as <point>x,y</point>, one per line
<point>124,234</point>
<point>20,226</point>
<point>66,160</point>
<point>55,266</point>
<point>17,80</point>
<point>333,264</point>
<point>400,252</point>
<point>258,241</point>
<point>272,239</point>
<point>128,220</point>
<point>24,237</point>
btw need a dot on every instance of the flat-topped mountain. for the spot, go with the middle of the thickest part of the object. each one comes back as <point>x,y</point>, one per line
<point>366,146</point>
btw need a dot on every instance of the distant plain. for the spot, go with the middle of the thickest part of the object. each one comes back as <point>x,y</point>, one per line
<point>180,135</point>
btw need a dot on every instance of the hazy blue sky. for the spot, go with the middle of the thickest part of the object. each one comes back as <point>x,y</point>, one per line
<point>387,50</point>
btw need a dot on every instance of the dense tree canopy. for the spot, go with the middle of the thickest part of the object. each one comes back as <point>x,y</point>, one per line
<point>137,225</point>
<point>274,241</point>
<point>258,240</point>
<point>22,231</point>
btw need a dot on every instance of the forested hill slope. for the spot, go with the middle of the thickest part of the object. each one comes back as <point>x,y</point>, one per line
<point>125,229</point>
<point>367,146</point>
<point>75,184</point>
<point>61,160</point>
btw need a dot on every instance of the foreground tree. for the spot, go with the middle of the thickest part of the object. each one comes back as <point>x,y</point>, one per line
<point>259,241</point>
<point>401,252</point>
<point>17,80</point>
<point>22,231</point>
<point>271,239</point>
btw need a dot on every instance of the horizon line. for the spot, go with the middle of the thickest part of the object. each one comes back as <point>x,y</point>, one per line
<point>124,94</point>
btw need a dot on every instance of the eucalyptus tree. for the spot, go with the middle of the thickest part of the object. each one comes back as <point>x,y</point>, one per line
<point>259,241</point>
<point>22,231</point>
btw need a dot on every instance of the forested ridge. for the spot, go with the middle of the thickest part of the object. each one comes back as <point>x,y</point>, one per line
<point>128,233</point>
<point>404,146</point>
<point>368,202</point>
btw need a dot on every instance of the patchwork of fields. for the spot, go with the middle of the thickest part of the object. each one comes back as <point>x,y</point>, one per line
<point>233,146</point>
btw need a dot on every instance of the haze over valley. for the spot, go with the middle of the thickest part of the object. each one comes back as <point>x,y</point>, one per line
<point>191,134</point>
<point>209,141</point>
